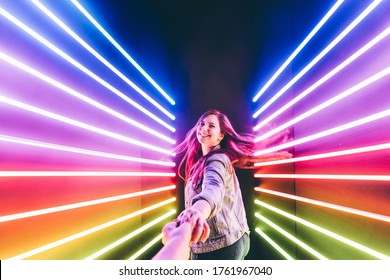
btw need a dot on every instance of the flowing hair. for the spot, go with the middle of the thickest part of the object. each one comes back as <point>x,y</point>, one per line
<point>238,147</point>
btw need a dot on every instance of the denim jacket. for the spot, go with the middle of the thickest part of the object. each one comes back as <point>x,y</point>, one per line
<point>221,189</point>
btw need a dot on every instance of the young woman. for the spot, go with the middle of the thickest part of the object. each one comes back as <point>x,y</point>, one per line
<point>212,194</point>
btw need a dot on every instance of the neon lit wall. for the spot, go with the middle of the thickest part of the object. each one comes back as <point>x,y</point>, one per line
<point>85,135</point>
<point>332,200</point>
<point>85,132</point>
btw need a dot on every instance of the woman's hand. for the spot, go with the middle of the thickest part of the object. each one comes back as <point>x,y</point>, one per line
<point>275,139</point>
<point>177,229</point>
<point>274,156</point>
<point>176,239</point>
<point>200,230</point>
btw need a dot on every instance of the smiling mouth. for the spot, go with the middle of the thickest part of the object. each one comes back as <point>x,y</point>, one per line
<point>202,135</point>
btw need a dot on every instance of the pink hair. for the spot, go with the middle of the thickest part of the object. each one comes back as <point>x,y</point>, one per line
<point>236,146</point>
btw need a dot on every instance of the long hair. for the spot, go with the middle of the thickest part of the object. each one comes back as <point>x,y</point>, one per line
<point>238,147</point>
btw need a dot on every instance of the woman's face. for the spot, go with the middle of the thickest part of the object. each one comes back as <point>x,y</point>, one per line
<point>209,133</point>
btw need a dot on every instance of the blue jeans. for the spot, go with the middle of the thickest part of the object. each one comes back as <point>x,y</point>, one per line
<point>236,251</point>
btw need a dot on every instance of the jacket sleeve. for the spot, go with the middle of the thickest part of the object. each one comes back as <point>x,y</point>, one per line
<point>214,182</point>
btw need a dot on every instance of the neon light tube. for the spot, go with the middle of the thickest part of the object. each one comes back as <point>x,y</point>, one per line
<point>327,103</point>
<point>146,247</point>
<point>327,205</point>
<point>328,132</point>
<point>325,78</point>
<point>46,145</point>
<point>82,97</point>
<point>82,68</point>
<point>83,125</point>
<point>325,231</point>
<point>100,58</point>
<point>130,235</point>
<point>326,177</point>
<point>122,51</point>
<point>61,208</point>
<point>274,244</point>
<point>91,230</point>
<point>83,174</point>
<point>327,155</point>
<point>350,27</point>
<point>300,47</point>
<point>291,237</point>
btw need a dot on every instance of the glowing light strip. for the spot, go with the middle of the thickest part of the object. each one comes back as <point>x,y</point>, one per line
<point>80,96</point>
<point>46,145</point>
<point>325,231</point>
<point>146,247</point>
<point>325,78</point>
<point>327,205</point>
<point>122,51</point>
<point>83,125</point>
<point>328,132</point>
<point>82,68</point>
<point>291,237</point>
<point>99,57</point>
<point>365,13</point>
<point>83,174</point>
<point>298,49</point>
<point>327,103</point>
<point>91,230</point>
<point>327,155</point>
<point>130,235</point>
<point>274,244</point>
<point>56,209</point>
<point>326,177</point>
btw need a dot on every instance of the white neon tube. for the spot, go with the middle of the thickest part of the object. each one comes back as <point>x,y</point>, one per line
<point>327,155</point>
<point>326,177</point>
<point>328,132</point>
<point>341,36</point>
<point>327,205</point>
<point>84,174</point>
<point>46,145</point>
<point>327,103</point>
<point>90,231</point>
<point>100,57</point>
<point>291,237</point>
<point>325,78</point>
<point>122,51</point>
<point>130,235</point>
<point>298,49</point>
<point>146,247</point>
<point>82,68</point>
<point>322,230</point>
<point>83,125</point>
<point>71,206</point>
<point>274,244</point>
<point>80,96</point>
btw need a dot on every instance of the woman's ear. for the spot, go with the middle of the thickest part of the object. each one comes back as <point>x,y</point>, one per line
<point>221,136</point>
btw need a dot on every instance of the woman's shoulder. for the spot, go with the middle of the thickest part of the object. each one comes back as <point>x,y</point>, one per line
<point>220,156</point>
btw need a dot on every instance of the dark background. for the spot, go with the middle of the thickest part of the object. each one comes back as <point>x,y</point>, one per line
<point>210,54</point>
